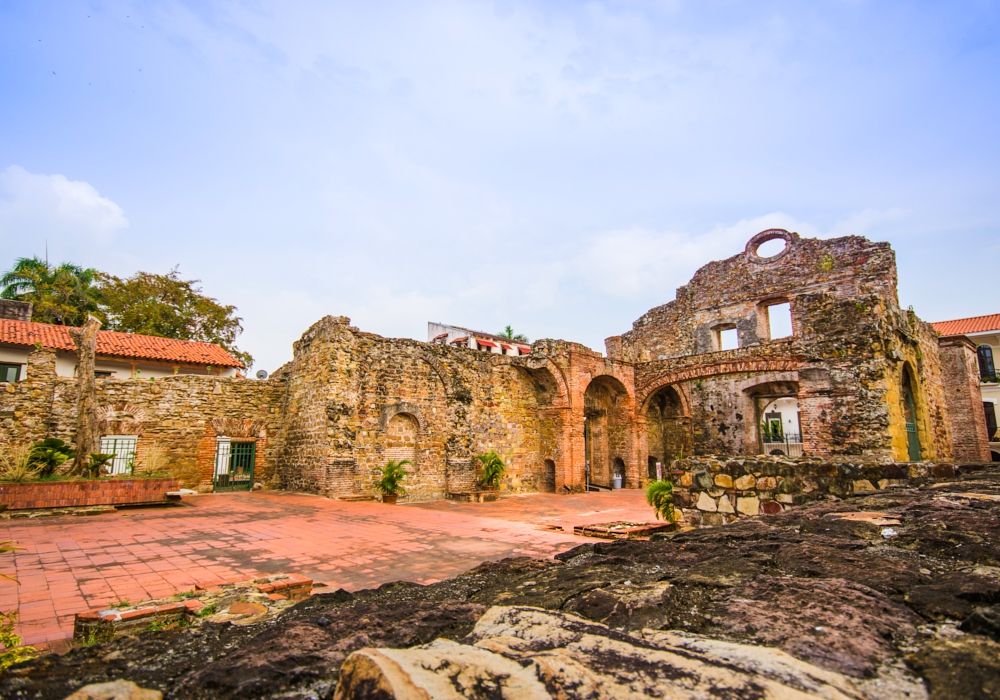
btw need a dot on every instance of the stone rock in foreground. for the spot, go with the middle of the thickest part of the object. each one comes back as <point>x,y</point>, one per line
<point>530,653</point>
<point>895,593</point>
<point>115,690</point>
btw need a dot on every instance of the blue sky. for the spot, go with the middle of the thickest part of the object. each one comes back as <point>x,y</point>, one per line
<point>559,166</point>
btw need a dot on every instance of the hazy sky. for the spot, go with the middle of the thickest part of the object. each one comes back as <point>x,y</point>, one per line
<point>558,166</point>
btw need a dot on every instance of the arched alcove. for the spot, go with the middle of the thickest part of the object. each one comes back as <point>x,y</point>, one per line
<point>401,436</point>
<point>668,429</point>
<point>606,405</point>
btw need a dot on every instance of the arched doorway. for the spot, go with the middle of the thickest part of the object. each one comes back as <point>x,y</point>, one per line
<point>606,428</point>
<point>668,430</point>
<point>909,406</point>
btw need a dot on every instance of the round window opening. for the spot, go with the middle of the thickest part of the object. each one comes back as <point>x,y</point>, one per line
<point>775,246</point>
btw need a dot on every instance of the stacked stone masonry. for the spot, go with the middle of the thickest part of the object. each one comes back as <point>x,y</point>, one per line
<point>717,490</point>
<point>858,377</point>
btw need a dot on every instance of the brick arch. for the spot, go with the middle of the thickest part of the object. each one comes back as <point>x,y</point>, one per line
<point>534,367</point>
<point>121,419</point>
<point>244,428</point>
<point>741,366</point>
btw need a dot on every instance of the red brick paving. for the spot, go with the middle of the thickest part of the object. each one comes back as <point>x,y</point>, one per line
<point>70,564</point>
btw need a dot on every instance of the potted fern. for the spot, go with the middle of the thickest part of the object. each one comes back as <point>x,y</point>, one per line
<point>493,470</point>
<point>390,485</point>
<point>660,495</point>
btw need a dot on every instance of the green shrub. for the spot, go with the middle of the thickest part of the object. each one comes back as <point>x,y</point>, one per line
<point>11,649</point>
<point>392,474</point>
<point>493,468</point>
<point>49,454</point>
<point>98,461</point>
<point>660,495</point>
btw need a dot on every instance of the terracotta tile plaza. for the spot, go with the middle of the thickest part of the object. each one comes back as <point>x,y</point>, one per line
<point>70,564</point>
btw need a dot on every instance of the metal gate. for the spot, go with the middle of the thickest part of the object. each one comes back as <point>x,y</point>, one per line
<point>234,465</point>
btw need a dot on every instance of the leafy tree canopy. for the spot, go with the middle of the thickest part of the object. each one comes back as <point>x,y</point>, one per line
<point>64,294</point>
<point>170,307</point>
<point>509,334</point>
<point>160,305</point>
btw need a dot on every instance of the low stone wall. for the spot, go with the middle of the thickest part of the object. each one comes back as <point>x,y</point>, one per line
<point>90,492</point>
<point>717,490</point>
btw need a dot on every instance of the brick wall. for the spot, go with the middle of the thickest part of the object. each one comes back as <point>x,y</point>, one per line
<point>70,494</point>
<point>960,369</point>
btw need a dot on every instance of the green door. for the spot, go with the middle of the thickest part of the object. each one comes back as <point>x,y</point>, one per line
<point>234,465</point>
<point>910,416</point>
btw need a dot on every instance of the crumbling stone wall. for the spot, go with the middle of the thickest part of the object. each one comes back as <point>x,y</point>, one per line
<point>843,363</point>
<point>715,490</point>
<point>181,415</point>
<point>348,389</point>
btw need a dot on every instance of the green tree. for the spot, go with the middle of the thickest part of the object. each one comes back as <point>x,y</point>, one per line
<point>170,307</point>
<point>509,334</point>
<point>64,294</point>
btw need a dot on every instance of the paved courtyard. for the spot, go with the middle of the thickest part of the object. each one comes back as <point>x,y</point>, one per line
<point>70,564</point>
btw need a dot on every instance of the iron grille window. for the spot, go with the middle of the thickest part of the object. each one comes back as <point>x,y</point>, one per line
<point>10,373</point>
<point>987,370</point>
<point>123,448</point>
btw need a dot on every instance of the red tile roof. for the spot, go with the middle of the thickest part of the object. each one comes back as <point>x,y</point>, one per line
<point>961,326</point>
<point>115,344</point>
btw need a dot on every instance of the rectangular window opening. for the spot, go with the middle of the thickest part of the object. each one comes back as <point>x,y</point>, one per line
<point>729,339</point>
<point>10,373</point>
<point>123,448</point>
<point>779,319</point>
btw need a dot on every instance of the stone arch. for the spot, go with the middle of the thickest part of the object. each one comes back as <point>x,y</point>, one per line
<point>392,410</point>
<point>668,428</point>
<point>607,411</point>
<point>762,396</point>
<point>548,378</point>
<point>914,411</point>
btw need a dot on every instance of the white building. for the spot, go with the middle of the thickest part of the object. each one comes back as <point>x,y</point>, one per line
<point>119,355</point>
<point>456,336</point>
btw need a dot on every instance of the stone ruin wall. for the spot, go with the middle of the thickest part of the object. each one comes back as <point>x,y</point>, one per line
<point>715,490</point>
<point>349,401</point>
<point>844,361</point>
<point>356,400</point>
<point>181,415</point>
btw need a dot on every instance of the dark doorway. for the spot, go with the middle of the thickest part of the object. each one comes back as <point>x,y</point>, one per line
<point>991,419</point>
<point>549,477</point>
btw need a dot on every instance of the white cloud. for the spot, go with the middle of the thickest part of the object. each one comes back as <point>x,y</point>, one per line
<point>629,263</point>
<point>37,206</point>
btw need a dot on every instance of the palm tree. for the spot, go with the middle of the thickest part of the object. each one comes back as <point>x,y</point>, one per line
<point>509,334</point>
<point>64,294</point>
<point>493,468</point>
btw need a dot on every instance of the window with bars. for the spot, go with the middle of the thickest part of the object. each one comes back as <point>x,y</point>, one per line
<point>123,448</point>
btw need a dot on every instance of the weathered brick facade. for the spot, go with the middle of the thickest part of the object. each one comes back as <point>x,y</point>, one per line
<point>858,376</point>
